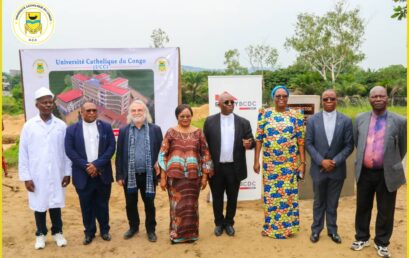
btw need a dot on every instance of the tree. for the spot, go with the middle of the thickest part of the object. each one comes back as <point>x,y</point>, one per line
<point>399,11</point>
<point>262,56</point>
<point>232,60</point>
<point>329,44</point>
<point>159,38</point>
<point>393,78</point>
<point>191,82</point>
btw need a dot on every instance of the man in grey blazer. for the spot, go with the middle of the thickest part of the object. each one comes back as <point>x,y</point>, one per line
<point>329,141</point>
<point>380,138</point>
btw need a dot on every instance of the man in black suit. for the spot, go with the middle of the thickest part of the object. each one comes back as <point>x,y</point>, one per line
<point>90,144</point>
<point>228,136</point>
<point>329,141</point>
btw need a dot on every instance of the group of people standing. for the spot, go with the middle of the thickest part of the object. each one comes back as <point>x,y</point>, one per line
<point>186,159</point>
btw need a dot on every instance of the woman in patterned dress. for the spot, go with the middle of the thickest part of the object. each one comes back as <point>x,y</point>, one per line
<point>280,131</point>
<point>185,165</point>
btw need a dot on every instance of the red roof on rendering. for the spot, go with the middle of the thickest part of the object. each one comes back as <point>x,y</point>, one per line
<point>101,76</point>
<point>81,77</point>
<point>70,95</point>
<point>114,89</point>
<point>118,81</point>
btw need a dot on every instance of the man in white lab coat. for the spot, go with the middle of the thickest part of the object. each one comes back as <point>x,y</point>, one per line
<point>44,167</point>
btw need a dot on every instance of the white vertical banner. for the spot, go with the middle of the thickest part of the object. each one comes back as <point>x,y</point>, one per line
<point>247,91</point>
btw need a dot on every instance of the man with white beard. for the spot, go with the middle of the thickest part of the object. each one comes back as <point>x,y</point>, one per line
<point>137,152</point>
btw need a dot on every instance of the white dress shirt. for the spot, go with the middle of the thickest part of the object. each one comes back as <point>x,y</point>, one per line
<point>91,140</point>
<point>227,137</point>
<point>329,124</point>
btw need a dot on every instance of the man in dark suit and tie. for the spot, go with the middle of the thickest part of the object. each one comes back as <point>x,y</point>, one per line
<point>228,136</point>
<point>380,139</point>
<point>90,144</point>
<point>137,153</point>
<point>329,141</point>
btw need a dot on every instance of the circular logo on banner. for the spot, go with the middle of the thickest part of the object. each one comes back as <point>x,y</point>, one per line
<point>40,67</point>
<point>162,65</point>
<point>33,23</point>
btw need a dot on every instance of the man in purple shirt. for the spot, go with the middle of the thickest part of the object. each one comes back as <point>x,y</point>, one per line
<point>380,139</point>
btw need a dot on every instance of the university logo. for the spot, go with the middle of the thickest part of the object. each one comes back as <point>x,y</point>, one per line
<point>162,65</point>
<point>40,66</point>
<point>33,23</point>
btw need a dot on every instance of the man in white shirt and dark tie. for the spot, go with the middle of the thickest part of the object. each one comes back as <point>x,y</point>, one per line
<point>329,141</point>
<point>90,144</point>
<point>228,136</point>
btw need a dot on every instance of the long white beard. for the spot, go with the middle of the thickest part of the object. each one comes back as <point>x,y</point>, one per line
<point>138,119</point>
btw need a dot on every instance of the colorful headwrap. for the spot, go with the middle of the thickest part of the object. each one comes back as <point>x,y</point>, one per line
<point>273,92</point>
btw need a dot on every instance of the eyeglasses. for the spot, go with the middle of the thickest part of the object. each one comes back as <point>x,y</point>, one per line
<point>281,96</point>
<point>91,110</point>
<point>185,117</point>
<point>328,99</point>
<point>229,102</point>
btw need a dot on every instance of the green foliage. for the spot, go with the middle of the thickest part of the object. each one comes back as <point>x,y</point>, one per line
<point>262,56</point>
<point>60,81</point>
<point>192,84</point>
<point>232,60</point>
<point>199,123</point>
<point>11,155</point>
<point>14,105</point>
<point>352,111</point>
<point>399,11</point>
<point>329,44</point>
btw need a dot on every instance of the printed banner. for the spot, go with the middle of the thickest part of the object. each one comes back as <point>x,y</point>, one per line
<point>110,78</point>
<point>247,91</point>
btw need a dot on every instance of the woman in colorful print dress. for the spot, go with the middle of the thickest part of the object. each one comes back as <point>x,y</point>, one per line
<point>185,165</point>
<point>280,131</point>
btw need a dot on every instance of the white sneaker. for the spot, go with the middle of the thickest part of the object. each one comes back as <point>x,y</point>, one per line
<point>60,240</point>
<point>382,251</point>
<point>359,245</point>
<point>40,242</point>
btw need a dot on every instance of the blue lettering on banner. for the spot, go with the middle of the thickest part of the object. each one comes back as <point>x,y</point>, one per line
<point>136,61</point>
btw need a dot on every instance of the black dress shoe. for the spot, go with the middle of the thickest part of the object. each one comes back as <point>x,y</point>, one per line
<point>152,237</point>
<point>229,230</point>
<point>218,230</point>
<point>335,237</point>
<point>106,237</point>
<point>314,237</point>
<point>130,233</point>
<point>87,240</point>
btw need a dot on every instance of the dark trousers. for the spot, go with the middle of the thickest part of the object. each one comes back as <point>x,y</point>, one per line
<point>132,206</point>
<point>326,197</point>
<point>224,180</point>
<point>94,202</point>
<point>371,183</point>
<point>56,222</point>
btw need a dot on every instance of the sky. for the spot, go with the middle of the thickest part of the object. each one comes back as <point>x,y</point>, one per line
<point>204,30</point>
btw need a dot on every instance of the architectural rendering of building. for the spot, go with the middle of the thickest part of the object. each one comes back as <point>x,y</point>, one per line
<point>113,95</point>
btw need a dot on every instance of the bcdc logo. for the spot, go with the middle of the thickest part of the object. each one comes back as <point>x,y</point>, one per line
<point>33,23</point>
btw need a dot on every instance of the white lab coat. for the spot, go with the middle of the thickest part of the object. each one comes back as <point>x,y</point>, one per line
<point>42,159</point>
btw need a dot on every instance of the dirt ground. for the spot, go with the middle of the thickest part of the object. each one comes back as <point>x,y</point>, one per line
<point>19,228</point>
